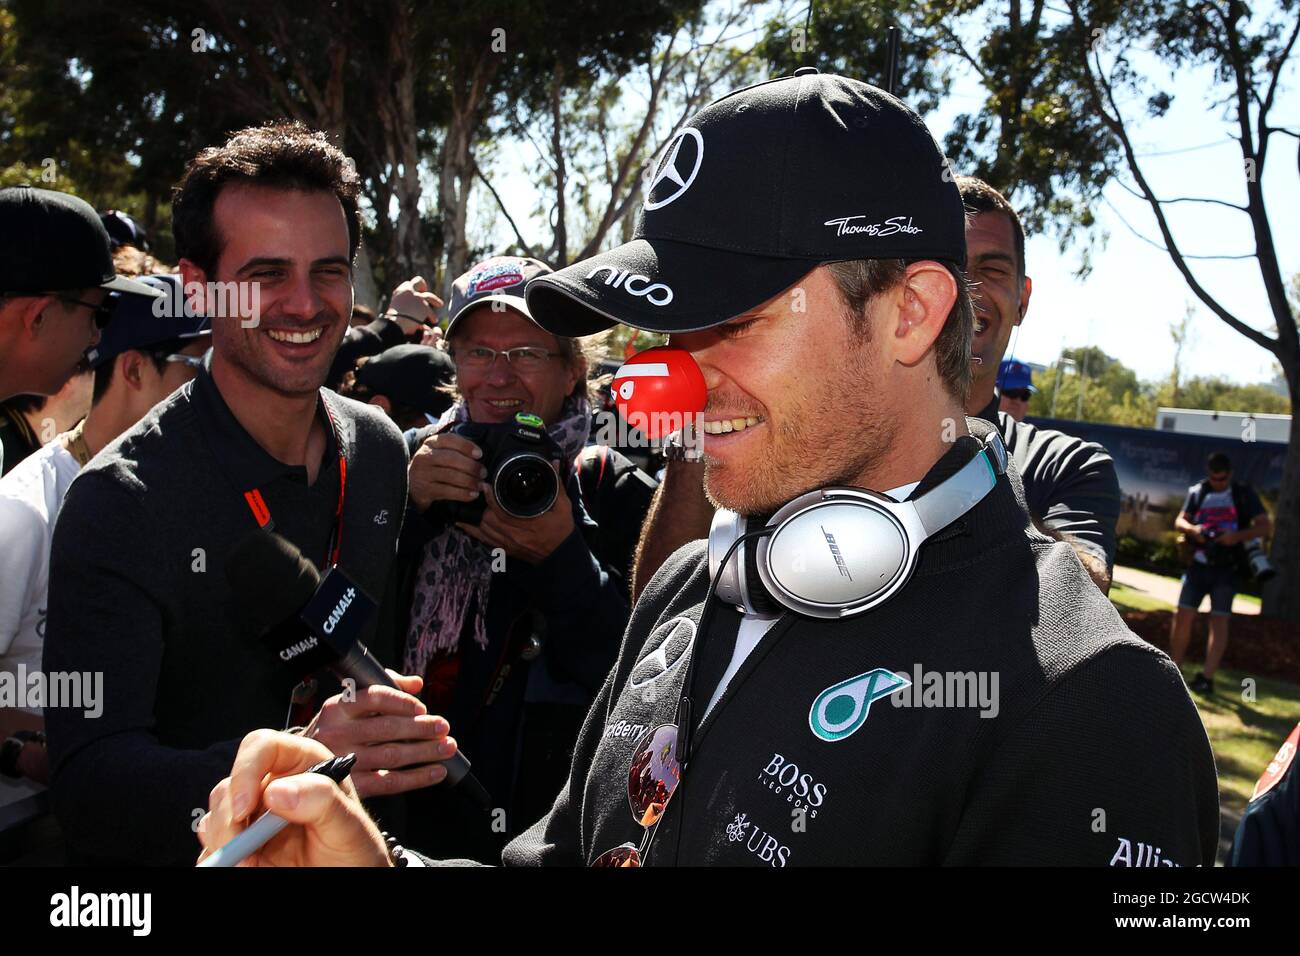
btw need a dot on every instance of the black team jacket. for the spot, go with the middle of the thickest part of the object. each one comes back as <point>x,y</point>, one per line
<point>1090,753</point>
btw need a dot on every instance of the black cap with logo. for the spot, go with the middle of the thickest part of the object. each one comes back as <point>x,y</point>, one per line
<point>55,242</point>
<point>750,195</point>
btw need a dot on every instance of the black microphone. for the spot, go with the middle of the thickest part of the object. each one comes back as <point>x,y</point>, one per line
<point>277,583</point>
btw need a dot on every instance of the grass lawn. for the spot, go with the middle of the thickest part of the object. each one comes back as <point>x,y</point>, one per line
<point>1245,734</point>
<point>1127,599</point>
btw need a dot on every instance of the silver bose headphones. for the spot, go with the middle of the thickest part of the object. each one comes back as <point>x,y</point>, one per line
<point>836,552</point>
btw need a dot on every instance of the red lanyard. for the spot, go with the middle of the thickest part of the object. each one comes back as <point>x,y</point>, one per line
<point>262,514</point>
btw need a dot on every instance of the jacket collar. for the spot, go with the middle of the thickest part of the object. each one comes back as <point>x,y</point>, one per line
<point>246,463</point>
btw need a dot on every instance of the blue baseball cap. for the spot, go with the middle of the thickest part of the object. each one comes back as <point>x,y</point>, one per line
<point>140,323</point>
<point>1013,375</point>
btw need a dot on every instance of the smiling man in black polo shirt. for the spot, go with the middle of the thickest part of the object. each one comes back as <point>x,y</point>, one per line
<point>138,589</point>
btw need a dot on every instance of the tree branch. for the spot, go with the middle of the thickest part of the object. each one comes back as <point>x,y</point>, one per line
<point>524,244</point>
<point>1097,83</point>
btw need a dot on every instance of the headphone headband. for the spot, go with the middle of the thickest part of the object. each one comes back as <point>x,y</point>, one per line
<point>836,552</point>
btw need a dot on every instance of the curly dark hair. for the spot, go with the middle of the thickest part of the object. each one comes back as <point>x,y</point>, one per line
<point>283,154</point>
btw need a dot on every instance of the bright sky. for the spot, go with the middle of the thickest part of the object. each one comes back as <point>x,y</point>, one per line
<point>1134,293</point>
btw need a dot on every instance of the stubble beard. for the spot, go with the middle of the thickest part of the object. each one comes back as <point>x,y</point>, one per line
<point>822,438</point>
<point>242,353</point>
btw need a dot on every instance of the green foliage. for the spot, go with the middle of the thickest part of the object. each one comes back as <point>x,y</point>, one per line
<point>1160,555</point>
<point>1027,136</point>
<point>849,37</point>
<point>1113,394</point>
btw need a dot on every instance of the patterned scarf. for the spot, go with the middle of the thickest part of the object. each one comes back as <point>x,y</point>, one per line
<point>456,570</point>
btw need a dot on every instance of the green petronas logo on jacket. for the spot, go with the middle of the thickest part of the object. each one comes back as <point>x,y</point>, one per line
<point>842,708</point>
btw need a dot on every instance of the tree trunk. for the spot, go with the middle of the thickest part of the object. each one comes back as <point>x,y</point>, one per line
<point>1282,594</point>
<point>408,256</point>
<point>561,172</point>
<point>456,173</point>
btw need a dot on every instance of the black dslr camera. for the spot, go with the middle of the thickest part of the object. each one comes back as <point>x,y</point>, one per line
<point>518,456</point>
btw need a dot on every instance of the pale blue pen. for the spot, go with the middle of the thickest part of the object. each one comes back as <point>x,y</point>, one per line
<point>268,824</point>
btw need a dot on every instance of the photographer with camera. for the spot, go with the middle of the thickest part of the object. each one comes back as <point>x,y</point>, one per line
<point>512,601</point>
<point>1223,521</point>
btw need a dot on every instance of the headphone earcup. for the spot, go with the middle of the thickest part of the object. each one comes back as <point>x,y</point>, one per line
<point>739,585</point>
<point>757,596</point>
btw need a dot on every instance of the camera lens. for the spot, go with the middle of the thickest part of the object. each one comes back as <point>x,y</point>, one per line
<point>526,486</point>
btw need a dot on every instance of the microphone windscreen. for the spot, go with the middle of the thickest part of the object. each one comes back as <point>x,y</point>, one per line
<point>270,576</point>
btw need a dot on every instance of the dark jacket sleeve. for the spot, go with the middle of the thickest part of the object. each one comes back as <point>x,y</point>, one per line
<point>106,617</point>
<point>1111,767</point>
<point>557,838</point>
<point>582,599</point>
<point>617,494</point>
<point>1073,488</point>
<point>1269,832</point>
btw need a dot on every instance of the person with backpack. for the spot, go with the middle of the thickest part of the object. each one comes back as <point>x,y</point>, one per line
<point>1218,517</point>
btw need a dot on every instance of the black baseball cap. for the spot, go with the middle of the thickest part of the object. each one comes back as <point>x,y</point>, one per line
<point>498,279</point>
<point>410,375</point>
<point>140,323</point>
<point>755,191</point>
<point>55,242</point>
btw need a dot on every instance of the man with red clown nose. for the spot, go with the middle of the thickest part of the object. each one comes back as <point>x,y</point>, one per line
<point>875,658</point>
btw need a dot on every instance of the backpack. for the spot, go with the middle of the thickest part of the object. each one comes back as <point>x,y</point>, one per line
<point>1186,545</point>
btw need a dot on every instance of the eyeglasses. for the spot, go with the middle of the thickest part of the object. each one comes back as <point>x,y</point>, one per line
<point>526,358</point>
<point>102,311</point>
<point>652,779</point>
<point>1019,394</point>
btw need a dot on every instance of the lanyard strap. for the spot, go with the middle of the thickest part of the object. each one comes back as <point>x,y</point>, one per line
<point>262,514</point>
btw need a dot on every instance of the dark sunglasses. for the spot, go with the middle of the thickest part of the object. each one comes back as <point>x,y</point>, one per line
<point>652,779</point>
<point>1019,394</point>
<point>660,759</point>
<point>101,312</point>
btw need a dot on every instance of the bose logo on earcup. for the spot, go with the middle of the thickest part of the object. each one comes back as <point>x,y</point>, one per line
<point>624,279</point>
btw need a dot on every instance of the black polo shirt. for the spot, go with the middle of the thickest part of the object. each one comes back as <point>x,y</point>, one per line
<point>1070,484</point>
<point>138,592</point>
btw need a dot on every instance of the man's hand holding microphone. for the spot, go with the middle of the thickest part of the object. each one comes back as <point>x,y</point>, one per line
<point>387,728</point>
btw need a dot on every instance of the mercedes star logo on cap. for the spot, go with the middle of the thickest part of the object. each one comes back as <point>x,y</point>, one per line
<point>670,170</point>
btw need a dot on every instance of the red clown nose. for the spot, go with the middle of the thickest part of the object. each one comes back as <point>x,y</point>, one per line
<point>660,390</point>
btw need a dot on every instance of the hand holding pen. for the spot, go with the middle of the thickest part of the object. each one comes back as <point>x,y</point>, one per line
<point>294,780</point>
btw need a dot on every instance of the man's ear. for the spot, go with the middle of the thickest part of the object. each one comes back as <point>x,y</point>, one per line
<point>924,302</point>
<point>194,282</point>
<point>130,369</point>
<point>382,401</point>
<point>1026,291</point>
<point>31,315</point>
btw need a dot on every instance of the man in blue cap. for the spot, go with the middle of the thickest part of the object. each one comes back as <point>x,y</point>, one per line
<point>140,360</point>
<point>1015,387</point>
